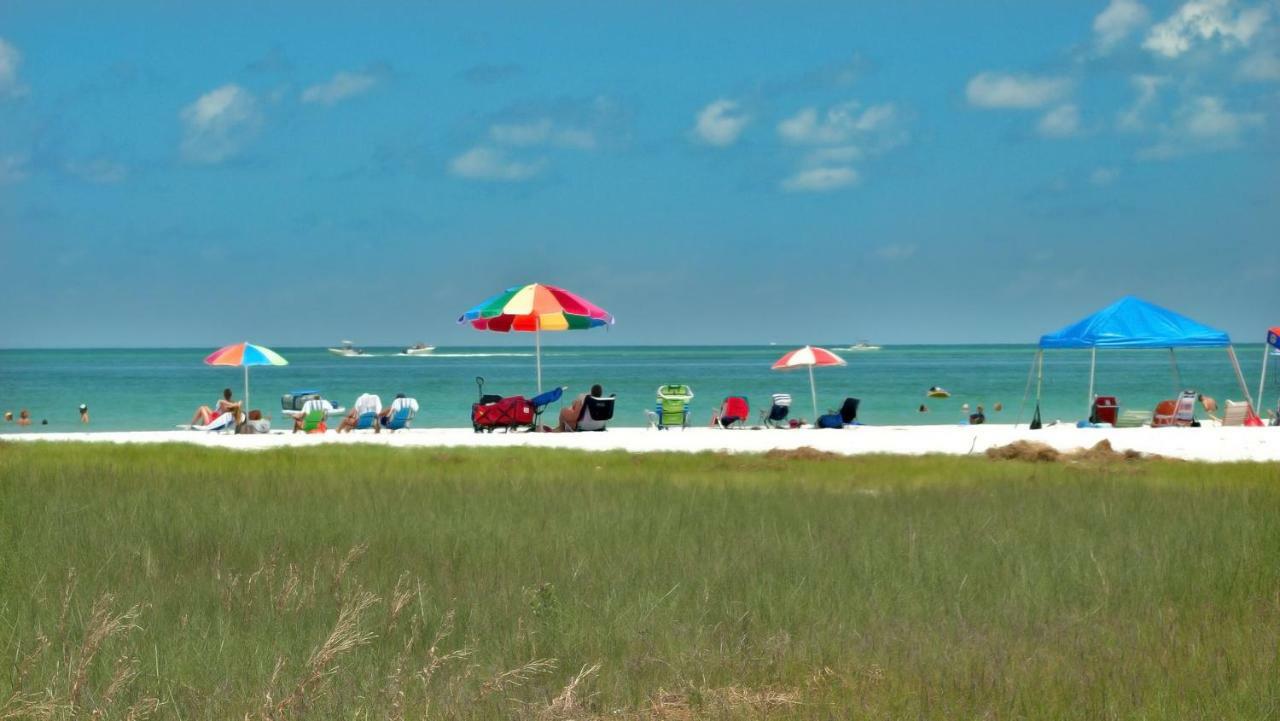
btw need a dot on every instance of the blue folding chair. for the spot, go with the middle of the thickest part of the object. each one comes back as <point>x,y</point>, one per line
<point>540,403</point>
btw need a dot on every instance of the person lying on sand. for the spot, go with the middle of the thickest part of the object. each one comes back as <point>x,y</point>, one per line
<point>205,414</point>
<point>570,414</point>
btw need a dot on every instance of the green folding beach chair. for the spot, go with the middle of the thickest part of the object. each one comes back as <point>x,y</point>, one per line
<point>1133,419</point>
<point>313,415</point>
<point>672,407</point>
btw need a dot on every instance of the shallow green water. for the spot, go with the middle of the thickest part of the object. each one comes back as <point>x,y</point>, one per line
<point>153,389</point>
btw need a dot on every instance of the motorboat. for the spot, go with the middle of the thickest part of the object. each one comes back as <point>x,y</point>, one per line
<point>938,392</point>
<point>861,346</point>
<point>348,350</point>
<point>418,349</point>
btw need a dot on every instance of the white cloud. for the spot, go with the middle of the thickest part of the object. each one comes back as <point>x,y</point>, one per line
<point>99,170</point>
<point>341,86</point>
<point>1061,122</point>
<point>1262,66</point>
<point>720,123</point>
<point>819,180</point>
<point>1202,123</point>
<point>10,60</point>
<point>1118,21</point>
<point>483,163</point>
<point>542,131</point>
<point>218,124</point>
<point>1147,88</point>
<point>1104,176</point>
<point>1203,21</point>
<point>13,169</point>
<point>839,124</point>
<point>1024,92</point>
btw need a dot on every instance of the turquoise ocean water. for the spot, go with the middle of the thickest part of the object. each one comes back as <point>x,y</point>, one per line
<point>155,389</point>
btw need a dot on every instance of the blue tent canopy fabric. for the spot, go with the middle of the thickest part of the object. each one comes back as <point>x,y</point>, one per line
<point>1134,323</point>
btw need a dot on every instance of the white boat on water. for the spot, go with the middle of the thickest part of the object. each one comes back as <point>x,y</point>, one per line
<point>418,349</point>
<point>861,346</point>
<point>348,350</point>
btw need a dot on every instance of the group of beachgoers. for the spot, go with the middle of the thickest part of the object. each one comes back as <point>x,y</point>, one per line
<point>23,418</point>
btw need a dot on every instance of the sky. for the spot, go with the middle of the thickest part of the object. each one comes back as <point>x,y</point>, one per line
<point>182,174</point>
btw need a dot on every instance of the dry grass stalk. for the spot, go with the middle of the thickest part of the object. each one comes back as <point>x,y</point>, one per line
<point>345,637</point>
<point>568,702</point>
<point>345,565</point>
<point>400,598</point>
<point>102,626</point>
<point>518,676</point>
<point>28,661</point>
<point>395,680</point>
<point>288,588</point>
<point>143,709</point>
<point>126,671</point>
<point>68,591</point>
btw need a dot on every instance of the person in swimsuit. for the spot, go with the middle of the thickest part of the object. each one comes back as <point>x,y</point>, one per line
<point>24,417</point>
<point>205,414</point>
<point>84,413</point>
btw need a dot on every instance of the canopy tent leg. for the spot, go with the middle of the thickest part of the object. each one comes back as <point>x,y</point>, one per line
<point>1177,374</point>
<point>813,395</point>
<point>1262,380</point>
<point>1026,393</point>
<point>1235,363</point>
<point>1093,367</point>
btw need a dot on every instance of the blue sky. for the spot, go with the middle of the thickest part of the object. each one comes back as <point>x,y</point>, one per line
<point>742,173</point>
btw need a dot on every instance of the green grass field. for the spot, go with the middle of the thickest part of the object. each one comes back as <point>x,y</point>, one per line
<point>370,583</point>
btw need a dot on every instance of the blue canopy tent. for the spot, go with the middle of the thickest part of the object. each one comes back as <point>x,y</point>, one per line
<point>1133,323</point>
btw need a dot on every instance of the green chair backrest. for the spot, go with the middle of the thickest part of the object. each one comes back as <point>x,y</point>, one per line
<point>312,420</point>
<point>673,410</point>
<point>675,391</point>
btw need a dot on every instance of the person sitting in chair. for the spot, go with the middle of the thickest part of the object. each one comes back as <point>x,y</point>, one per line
<point>977,418</point>
<point>570,414</point>
<point>205,414</point>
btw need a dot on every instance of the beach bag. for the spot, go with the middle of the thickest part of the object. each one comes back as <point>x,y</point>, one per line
<point>830,420</point>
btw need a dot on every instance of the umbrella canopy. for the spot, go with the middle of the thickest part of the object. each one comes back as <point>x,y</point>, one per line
<point>809,357</point>
<point>534,308</point>
<point>245,354</point>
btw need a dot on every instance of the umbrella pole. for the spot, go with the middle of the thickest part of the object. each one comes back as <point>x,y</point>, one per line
<point>813,394</point>
<point>246,389</point>
<point>537,346</point>
<point>1093,366</point>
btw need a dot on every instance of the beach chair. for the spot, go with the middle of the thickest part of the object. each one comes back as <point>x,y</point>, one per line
<point>672,407</point>
<point>1164,413</point>
<point>314,413</point>
<point>778,411</point>
<point>1236,413</point>
<point>1184,413</point>
<point>403,411</point>
<point>1133,419</point>
<point>224,423</point>
<point>540,403</point>
<point>846,416</point>
<point>596,413</point>
<point>734,411</point>
<point>367,406</point>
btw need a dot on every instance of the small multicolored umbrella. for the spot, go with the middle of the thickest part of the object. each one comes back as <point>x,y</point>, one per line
<point>534,308</point>
<point>809,357</point>
<point>245,354</point>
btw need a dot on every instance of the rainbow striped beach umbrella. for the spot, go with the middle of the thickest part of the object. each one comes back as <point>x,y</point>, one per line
<point>534,308</point>
<point>809,357</point>
<point>245,354</point>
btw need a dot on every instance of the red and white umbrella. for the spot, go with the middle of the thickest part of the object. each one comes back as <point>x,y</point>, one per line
<point>808,357</point>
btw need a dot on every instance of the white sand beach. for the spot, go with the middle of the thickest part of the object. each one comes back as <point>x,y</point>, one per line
<point>1213,444</point>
